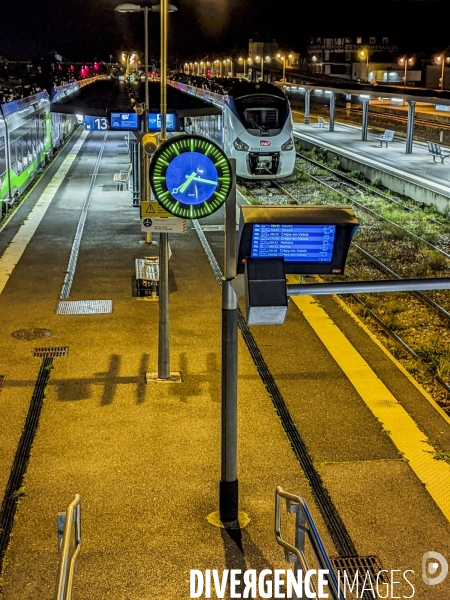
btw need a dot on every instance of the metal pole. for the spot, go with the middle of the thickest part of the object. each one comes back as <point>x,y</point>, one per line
<point>146,156</point>
<point>368,287</point>
<point>228,488</point>
<point>262,68</point>
<point>307,105</point>
<point>332,110</point>
<point>163,326</point>
<point>365,120</point>
<point>135,193</point>
<point>404,80</point>
<point>442,72</point>
<point>410,126</point>
<point>163,69</point>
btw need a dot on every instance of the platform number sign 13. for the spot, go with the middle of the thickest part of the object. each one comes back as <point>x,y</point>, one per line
<point>95,123</point>
<point>190,176</point>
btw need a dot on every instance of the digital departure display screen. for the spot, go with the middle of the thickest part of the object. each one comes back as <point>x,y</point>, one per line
<point>296,243</point>
<point>127,121</point>
<point>154,122</point>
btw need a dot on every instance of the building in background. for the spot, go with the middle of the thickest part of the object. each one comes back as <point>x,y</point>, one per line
<point>372,59</point>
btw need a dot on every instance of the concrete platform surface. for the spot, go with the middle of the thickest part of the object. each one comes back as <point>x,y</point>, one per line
<point>145,458</point>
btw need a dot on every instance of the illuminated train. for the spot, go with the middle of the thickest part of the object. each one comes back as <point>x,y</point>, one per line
<point>29,135</point>
<point>257,131</point>
<point>256,127</point>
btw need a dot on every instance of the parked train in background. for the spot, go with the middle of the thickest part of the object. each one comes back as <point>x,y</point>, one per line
<point>29,135</point>
<point>257,126</point>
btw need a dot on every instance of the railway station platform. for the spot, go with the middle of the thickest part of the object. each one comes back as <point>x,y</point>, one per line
<point>145,457</point>
<point>415,175</point>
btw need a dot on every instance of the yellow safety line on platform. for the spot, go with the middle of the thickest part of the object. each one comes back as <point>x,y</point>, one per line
<point>16,248</point>
<point>403,431</point>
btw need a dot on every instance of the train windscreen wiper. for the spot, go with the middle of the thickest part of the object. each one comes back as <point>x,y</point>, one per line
<point>258,126</point>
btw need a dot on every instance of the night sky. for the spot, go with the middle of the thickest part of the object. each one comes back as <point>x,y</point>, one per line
<point>84,29</point>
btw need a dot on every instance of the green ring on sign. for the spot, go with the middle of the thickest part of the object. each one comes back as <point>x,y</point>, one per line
<point>190,176</point>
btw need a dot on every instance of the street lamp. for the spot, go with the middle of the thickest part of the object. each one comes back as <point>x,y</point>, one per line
<point>404,61</point>
<point>230,60</point>
<point>261,59</point>
<point>240,59</point>
<point>283,58</point>
<point>441,59</point>
<point>128,58</point>
<point>220,63</point>
<point>364,54</point>
<point>145,8</point>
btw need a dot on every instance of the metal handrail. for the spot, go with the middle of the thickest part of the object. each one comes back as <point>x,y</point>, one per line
<point>68,521</point>
<point>304,523</point>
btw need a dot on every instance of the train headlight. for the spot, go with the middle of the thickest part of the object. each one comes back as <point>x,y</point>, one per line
<point>289,145</point>
<point>240,145</point>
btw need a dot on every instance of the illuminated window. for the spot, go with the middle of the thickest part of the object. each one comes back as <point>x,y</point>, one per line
<point>372,40</point>
<point>385,40</point>
<point>359,40</point>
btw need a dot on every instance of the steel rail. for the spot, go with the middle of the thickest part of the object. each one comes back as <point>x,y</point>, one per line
<point>378,216</point>
<point>352,183</point>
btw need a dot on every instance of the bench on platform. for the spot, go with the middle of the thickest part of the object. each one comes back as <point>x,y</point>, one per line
<point>387,137</point>
<point>321,122</point>
<point>436,151</point>
<point>122,177</point>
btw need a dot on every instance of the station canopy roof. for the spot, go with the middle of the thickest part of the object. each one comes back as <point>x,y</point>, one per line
<point>102,97</point>
<point>353,88</point>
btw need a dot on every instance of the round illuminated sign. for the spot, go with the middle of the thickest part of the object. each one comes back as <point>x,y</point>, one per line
<point>190,176</point>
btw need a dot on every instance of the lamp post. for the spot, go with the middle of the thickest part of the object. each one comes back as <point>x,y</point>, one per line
<point>405,61</point>
<point>283,58</point>
<point>364,54</point>
<point>262,64</point>
<point>220,63</point>
<point>163,326</point>
<point>440,60</point>
<point>145,8</point>
<point>245,63</point>
<point>230,60</point>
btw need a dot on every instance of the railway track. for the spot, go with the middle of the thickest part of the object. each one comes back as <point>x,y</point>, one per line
<point>380,237</point>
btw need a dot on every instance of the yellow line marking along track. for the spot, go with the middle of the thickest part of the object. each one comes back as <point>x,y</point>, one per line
<point>407,437</point>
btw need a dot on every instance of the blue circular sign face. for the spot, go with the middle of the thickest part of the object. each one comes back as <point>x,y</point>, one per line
<point>191,178</point>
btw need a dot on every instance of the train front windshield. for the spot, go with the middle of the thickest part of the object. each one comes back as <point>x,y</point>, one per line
<point>262,115</point>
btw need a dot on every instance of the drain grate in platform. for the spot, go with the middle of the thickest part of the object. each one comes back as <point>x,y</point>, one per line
<point>2,380</point>
<point>84,307</point>
<point>59,351</point>
<point>362,564</point>
<point>34,333</point>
